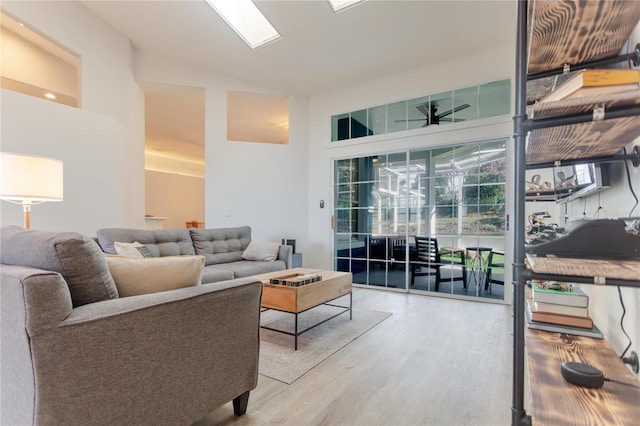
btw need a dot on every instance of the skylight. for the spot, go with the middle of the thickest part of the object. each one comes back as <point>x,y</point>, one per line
<point>246,20</point>
<point>339,5</point>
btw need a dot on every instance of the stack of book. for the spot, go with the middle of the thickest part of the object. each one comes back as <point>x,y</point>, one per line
<point>297,280</point>
<point>560,307</point>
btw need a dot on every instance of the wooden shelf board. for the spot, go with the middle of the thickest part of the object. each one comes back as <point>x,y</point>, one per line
<point>554,401</point>
<point>615,98</point>
<point>583,140</point>
<point>574,32</point>
<point>615,269</point>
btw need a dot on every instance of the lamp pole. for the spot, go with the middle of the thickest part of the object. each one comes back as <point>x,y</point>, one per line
<point>26,208</point>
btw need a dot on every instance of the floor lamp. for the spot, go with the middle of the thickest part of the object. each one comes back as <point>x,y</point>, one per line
<point>28,180</point>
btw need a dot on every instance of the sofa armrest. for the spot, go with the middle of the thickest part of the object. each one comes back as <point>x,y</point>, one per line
<point>286,254</point>
<point>22,290</point>
<point>129,305</point>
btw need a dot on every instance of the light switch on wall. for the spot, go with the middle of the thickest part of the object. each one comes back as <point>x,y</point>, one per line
<point>227,212</point>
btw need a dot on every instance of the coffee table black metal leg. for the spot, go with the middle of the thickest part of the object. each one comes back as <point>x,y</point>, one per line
<point>296,332</point>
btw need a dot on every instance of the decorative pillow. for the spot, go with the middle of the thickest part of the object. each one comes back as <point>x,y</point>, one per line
<point>135,276</point>
<point>75,256</point>
<point>266,252</point>
<point>134,249</point>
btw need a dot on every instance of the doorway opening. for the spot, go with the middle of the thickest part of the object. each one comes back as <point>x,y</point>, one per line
<point>174,156</point>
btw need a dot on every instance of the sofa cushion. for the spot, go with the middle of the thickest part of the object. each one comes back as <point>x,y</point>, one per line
<point>134,276</point>
<point>221,245</point>
<point>212,275</point>
<point>263,252</point>
<point>247,268</point>
<point>160,242</point>
<point>74,256</point>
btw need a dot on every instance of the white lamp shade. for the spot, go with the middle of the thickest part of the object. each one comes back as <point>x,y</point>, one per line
<point>30,178</point>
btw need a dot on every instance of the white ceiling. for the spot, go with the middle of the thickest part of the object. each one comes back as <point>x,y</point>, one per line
<point>319,51</point>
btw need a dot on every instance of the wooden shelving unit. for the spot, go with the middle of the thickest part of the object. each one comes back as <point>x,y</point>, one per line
<point>567,35</point>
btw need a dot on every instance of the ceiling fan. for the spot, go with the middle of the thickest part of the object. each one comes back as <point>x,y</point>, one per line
<point>431,115</point>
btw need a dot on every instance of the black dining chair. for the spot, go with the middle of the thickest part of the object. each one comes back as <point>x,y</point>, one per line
<point>427,262</point>
<point>497,261</point>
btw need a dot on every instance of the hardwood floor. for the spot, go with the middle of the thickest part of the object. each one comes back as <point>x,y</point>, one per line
<point>435,361</point>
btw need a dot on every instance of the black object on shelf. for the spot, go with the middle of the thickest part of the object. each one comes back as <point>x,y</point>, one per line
<point>581,374</point>
<point>614,242</point>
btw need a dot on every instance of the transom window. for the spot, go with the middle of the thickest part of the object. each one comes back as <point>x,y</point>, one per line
<point>470,103</point>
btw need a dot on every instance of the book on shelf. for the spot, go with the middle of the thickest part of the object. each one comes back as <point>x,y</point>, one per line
<point>594,82</point>
<point>554,308</point>
<point>555,328</point>
<point>560,294</point>
<point>559,319</point>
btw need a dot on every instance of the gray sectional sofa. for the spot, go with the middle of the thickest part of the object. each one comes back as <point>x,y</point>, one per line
<point>221,247</point>
<point>76,353</point>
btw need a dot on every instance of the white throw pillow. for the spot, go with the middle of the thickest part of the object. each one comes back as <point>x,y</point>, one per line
<point>265,252</point>
<point>128,249</point>
<point>135,276</point>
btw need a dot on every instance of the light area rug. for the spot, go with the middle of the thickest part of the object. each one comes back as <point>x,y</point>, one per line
<point>279,360</point>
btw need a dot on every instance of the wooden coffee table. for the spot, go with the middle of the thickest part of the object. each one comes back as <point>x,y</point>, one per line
<point>296,300</point>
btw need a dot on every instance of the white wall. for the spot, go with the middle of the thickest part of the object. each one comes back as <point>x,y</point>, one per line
<point>176,197</point>
<point>497,64</point>
<point>258,184</point>
<point>101,144</point>
<point>91,191</point>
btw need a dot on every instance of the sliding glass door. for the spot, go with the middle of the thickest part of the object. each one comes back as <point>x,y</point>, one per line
<point>415,219</point>
<point>370,219</point>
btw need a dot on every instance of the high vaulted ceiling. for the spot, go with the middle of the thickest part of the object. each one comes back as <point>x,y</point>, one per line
<point>319,50</point>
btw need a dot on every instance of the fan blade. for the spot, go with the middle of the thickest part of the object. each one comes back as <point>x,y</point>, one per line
<point>423,109</point>
<point>451,119</point>
<point>411,119</point>
<point>456,109</point>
